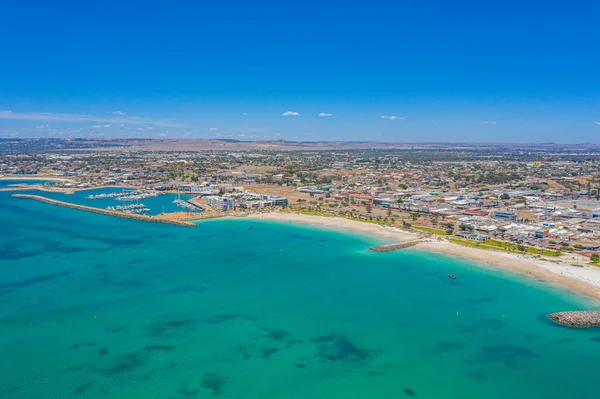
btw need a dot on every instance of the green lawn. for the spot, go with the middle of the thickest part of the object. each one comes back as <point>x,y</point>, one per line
<point>430,230</point>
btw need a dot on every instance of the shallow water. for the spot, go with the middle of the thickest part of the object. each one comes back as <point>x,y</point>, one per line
<point>102,307</point>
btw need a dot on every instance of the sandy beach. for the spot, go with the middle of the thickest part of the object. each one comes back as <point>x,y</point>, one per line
<point>344,225</point>
<point>583,280</point>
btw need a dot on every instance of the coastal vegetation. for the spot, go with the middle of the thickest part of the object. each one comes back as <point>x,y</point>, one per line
<point>505,247</point>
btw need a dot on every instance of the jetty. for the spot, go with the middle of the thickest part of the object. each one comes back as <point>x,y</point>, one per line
<point>589,318</point>
<point>395,246</point>
<point>107,212</point>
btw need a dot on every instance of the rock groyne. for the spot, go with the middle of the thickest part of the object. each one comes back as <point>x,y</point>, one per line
<point>125,215</point>
<point>394,247</point>
<point>577,319</point>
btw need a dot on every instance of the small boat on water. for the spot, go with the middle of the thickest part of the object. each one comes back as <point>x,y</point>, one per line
<point>249,228</point>
<point>452,276</point>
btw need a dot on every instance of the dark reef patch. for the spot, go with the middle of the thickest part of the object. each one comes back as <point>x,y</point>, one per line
<point>226,317</point>
<point>165,348</point>
<point>338,348</point>
<point>275,335</point>
<point>214,383</point>
<point>266,343</point>
<point>172,328</point>
<point>10,253</point>
<point>36,305</point>
<point>83,388</point>
<point>126,364</point>
<point>510,355</point>
<point>409,392</point>
<point>31,281</point>
<point>103,351</point>
<point>269,351</point>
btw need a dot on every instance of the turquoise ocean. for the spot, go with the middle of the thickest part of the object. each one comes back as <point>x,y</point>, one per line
<point>101,307</point>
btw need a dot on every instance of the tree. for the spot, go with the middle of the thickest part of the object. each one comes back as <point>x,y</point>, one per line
<point>505,197</point>
<point>595,258</point>
<point>389,211</point>
<point>368,208</point>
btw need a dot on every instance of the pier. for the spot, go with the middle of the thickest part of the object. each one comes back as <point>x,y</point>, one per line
<point>577,319</point>
<point>107,212</point>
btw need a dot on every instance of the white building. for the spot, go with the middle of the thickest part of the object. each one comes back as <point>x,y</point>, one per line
<point>220,203</point>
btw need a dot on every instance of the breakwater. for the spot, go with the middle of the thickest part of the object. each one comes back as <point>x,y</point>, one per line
<point>577,319</point>
<point>105,211</point>
<point>394,247</point>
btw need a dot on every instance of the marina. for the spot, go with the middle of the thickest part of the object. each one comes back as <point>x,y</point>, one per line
<point>107,212</point>
<point>103,198</point>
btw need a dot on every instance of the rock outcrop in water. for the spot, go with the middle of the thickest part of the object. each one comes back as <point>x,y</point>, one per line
<point>394,247</point>
<point>577,319</point>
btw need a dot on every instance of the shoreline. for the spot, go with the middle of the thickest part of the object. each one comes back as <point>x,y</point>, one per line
<point>584,281</point>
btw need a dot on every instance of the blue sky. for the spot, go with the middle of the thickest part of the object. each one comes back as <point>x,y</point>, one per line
<point>438,71</point>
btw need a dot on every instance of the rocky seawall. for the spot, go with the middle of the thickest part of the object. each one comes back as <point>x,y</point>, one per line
<point>577,319</point>
<point>125,215</point>
<point>394,247</point>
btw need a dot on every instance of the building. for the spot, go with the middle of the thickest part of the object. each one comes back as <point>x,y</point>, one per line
<point>473,236</point>
<point>275,200</point>
<point>504,215</point>
<point>220,203</point>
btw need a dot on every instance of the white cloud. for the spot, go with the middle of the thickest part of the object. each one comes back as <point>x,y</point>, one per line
<point>140,128</point>
<point>150,128</point>
<point>489,122</point>
<point>244,114</point>
<point>107,125</point>
<point>96,126</point>
<point>390,117</point>
<point>213,129</point>
<point>597,123</point>
<point>325,114</point>
<point>121,113</point>
<point>42,127</point>
<point>82,118</point>
<point>291,113</point>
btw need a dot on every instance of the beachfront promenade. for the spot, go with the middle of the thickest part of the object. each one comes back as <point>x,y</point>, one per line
<point>143,218</point>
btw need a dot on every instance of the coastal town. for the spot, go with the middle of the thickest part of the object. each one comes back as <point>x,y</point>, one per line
<point>536,201</point>
<point>533,200</point>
